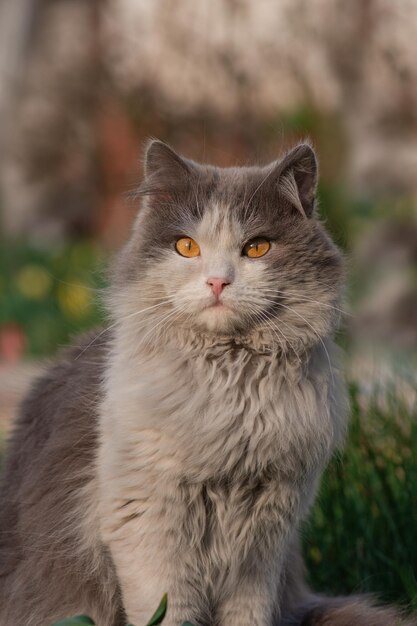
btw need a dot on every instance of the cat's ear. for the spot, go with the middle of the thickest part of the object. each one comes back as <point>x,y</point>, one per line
<point>161,162</point>
<point>297,178</point>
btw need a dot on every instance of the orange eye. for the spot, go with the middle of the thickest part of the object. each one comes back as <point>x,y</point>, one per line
<point>187,247</point>
<point>256,248</point>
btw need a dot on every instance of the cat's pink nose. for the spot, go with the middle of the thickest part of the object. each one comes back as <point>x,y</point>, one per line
<point>217,285</point>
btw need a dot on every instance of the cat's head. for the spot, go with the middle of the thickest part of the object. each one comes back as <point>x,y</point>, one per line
<point>230,251</point>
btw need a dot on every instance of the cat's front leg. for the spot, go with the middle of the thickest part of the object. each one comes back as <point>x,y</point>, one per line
<point>147,572</point>
<point>152,557</point>
<point>251,595</point>
<point>254,599</point>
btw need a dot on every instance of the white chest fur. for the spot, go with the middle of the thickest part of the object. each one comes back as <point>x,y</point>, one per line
<point>199,415</point>
<point>214,448</point>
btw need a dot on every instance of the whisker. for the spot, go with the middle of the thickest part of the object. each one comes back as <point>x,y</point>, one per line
<point>175,311</point>
<point>306,299</point>
<point>287,339</point>
<point>108,328</point>
<point>280,304</point>
<point>308,324</point>
<point>315,332</point>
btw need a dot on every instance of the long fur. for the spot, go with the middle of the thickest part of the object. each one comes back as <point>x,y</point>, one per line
<point>180,450</point>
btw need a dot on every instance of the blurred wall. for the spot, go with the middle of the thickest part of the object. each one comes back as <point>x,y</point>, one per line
<point>84,82</point>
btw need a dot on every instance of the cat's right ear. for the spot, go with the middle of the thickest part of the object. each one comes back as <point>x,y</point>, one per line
<point>297,178</point>
<point>164,165</point>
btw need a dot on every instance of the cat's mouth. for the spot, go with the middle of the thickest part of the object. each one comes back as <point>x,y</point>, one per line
<point>218,304</point>
<point>217,315</point>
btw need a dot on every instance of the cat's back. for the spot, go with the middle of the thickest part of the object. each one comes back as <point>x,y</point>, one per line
<point>49,461</point>
<point>55,429</point>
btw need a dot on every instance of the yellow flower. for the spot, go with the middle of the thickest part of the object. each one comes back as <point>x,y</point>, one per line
<point>34,282</point>
<point>74,300</point>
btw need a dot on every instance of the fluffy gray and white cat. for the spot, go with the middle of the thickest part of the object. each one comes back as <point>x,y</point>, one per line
<point>180,450</point>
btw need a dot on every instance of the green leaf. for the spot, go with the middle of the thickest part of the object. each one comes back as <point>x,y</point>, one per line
<point>159,614</point>
<point>75,621</point>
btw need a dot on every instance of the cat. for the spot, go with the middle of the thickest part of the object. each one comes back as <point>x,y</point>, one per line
<point>180,449</point>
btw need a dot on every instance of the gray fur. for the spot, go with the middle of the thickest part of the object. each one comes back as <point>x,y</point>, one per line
<point>46,572</point>
<point>181,451</point>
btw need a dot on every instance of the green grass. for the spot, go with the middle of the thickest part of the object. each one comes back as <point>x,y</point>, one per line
<point>362,532</point>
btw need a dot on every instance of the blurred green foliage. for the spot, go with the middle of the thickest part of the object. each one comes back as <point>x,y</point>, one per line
<point>75,621</point>
<point>50,294</point>
<point>362,534</point>
<point>156,619</point>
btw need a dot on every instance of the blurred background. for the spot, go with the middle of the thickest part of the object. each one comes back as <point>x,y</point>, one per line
<point>83,83</point>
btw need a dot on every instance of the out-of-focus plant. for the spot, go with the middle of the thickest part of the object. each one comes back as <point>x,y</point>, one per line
<point>74,621</point>
<point>157,617</point>
<point>361,534</point>
<point>47,296</point>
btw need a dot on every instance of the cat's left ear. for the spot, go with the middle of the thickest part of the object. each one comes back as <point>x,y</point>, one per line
<point>297,178</point>
<point>161,161</point>
<point>166,174</point>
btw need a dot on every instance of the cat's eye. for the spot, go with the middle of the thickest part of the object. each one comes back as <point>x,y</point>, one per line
<point>185,246</point>
<point>256,248</point>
